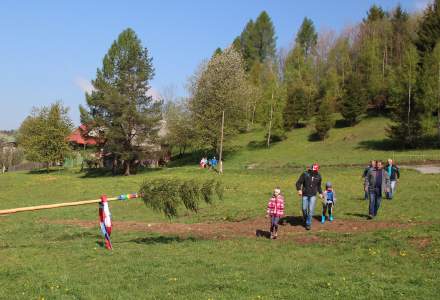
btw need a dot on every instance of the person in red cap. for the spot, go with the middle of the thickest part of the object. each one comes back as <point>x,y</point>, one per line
<point>308,184</point>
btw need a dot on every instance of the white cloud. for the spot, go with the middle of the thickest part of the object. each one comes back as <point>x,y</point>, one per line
<point>84,84</point>
<point>420,5</point>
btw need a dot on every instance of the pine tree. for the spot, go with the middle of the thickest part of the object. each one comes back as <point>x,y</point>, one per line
<point>119,103</point>
<point>324,120</point>
<point>354,102</point>
<point>265,37</point>
<point>429,29</point>
<point>430,85</point>
<point>307,36</point>
<point>405,111</point>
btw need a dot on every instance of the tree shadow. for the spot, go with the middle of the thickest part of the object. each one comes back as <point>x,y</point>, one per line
<point>255,145</point>
<point>382,145</point>
<point>341,123</point>
<point>162,240</point>
<point>314,137</point>
<point>43,171</point>
<point>104,172</point>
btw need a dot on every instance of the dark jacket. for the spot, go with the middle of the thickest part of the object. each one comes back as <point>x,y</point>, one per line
<point>370,181</point>
<point>310,183</point>
<point>394,174</point>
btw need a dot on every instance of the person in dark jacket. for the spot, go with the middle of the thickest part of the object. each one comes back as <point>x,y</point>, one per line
<point>377,183</point>
<point>394,174</point>
<point>308,184</point>
<point>372,165</point>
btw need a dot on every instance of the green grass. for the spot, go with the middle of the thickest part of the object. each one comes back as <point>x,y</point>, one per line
<point>40,259</point>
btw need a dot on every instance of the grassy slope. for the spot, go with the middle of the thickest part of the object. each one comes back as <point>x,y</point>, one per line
<point>349,145</point>
<point>63,262</point>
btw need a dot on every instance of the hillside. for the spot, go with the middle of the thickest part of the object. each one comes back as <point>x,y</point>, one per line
<point>346,145</point>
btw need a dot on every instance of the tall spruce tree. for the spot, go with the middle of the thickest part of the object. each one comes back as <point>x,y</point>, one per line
<point>265,37</point>
<point>119,103</point>
<point>430,85</point>
<point>324,119</point>
<point>405,111</point>
<point>429,29</point>
<point>307,36</point>
<point>354,102</point>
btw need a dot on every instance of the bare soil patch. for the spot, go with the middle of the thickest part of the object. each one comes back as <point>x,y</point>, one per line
<point>291,228</point>
<point>425,169</point>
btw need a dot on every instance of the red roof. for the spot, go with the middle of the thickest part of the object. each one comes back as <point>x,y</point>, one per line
<point>80,136</point>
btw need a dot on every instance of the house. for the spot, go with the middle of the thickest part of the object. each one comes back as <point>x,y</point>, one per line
<point>83,137</point>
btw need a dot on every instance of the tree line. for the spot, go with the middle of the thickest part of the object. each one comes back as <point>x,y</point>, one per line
<point>388,63</point>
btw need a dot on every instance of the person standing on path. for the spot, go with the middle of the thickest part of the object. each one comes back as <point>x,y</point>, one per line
<point>394,174</point>
<point>377,183</point>
<point>308,184</point>
<point>275,210</point>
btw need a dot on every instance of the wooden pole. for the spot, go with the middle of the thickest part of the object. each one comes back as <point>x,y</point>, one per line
<point>221,145</point>
<point>49,206</point>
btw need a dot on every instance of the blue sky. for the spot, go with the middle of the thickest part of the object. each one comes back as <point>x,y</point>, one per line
<point>50,50</point>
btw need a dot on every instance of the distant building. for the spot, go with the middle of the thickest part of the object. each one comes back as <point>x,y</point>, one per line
<point>83,137</point>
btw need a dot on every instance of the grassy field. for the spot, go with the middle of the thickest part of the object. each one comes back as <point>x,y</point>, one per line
<point>41,258</point>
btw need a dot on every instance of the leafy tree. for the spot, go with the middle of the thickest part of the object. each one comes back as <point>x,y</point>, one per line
<point>119,102</point>
<point>180,129</point>
<point>9,156</point>
<point>43,135</point>
<point>324,120</point>
<point>405,110</point>
<point>220,86</point>
<point>307,36</point>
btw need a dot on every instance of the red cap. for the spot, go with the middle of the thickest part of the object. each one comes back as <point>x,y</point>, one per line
<point>104,198</point>
<point>315,167</point>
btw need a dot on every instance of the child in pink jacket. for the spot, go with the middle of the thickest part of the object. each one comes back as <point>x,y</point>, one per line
<point>275,210</point>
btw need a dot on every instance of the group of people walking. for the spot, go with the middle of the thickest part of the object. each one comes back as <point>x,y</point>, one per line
<point>377,180</point>
<point>308,186</point>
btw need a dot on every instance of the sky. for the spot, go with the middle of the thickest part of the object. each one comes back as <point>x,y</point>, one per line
<point>50,50</point>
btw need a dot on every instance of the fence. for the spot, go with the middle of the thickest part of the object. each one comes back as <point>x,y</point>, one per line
<point>421,157</point>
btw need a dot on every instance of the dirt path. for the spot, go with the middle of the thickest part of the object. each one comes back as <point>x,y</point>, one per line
<point>291,228</point>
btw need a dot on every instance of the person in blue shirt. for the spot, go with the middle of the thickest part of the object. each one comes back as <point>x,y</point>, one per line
<point>214,162</point>
<point>328,202</point>
<point>394,174</point>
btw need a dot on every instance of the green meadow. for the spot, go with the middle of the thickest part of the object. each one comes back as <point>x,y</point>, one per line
<point>42,258</point>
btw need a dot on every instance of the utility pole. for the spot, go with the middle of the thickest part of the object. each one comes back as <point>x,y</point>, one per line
<point>270,122</point>
<point>220,163</point>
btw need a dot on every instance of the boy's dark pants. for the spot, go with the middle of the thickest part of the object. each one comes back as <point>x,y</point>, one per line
<point>375,200</point>
<point>274,224</point>
<point>329,207</point>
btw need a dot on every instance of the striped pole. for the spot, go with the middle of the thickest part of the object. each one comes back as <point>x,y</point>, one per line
<point>65,204</point>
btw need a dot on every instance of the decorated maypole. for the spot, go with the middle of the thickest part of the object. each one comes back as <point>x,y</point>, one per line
<point>105,221</point>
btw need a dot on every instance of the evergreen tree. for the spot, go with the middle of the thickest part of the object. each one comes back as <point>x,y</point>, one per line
<point>43,135</point>
<point>119,103</point>
<point>430,85</point>
<point>324,120</point>
<point>307,36</point>
<point>354,102</point>
<point>405,111</point>
<point>429,28</point>
<point>265,37</point>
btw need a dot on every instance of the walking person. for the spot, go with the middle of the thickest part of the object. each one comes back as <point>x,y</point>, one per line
<point>308,184</point>
<point>328,203</point>
<point>394,174</point>
<point>372,165</point>
<point>377,183</point>
<point>275,210</point>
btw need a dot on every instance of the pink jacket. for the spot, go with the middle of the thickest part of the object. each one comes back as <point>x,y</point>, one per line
<point>275,207</point>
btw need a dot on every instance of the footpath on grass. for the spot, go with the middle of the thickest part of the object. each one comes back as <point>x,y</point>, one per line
<point>291,228</point>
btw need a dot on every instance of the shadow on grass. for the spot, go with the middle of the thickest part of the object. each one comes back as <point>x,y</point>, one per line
<point>262,233</point>
<point>102,172</point>
<point>162,240</point>
<point>427,143</point>
<point>292,221</point>
<point>45,171</point>
<point>193,158</point>
<point>341,123</point>
<point>314,137</point>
